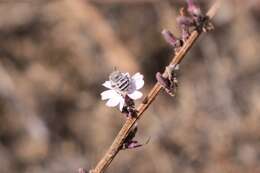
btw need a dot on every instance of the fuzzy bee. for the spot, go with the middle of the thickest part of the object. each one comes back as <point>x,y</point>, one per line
<point>122,91</point>
<point>121,82</point>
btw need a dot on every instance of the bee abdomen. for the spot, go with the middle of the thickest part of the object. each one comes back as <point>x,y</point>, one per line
<point>124,84</point>
<point>120,82</point>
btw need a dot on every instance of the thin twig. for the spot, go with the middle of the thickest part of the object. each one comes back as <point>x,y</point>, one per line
<point>120,138</point>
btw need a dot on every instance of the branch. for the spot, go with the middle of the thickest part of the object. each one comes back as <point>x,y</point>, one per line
<point>120,138</point>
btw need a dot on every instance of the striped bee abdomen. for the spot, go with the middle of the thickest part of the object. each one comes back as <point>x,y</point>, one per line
<point>119,81</point>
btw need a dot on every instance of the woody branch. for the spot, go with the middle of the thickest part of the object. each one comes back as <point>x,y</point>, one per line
<point>125,130</point>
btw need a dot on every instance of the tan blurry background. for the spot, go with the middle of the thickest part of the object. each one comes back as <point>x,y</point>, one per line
<point>55,54</point>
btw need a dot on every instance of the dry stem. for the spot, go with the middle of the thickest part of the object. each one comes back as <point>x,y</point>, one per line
<point>120,138</point>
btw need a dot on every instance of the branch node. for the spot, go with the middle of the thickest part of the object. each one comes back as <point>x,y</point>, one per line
<point>169,82</point>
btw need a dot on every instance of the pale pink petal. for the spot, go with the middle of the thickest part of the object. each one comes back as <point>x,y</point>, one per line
<point>135,95</point>
<point>121,104</point>
<point>139,83</point>
<point>177,67</point>
<point>137,76</point>
<point>112,102</point>
<point>132,87</point>
<point>108,94</point>
<point>127,74</point>
<point>107,84</point>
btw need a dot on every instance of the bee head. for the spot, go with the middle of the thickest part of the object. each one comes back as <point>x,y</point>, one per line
<point>115,76</point>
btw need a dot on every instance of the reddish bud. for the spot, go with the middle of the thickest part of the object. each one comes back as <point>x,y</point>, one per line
<point>129,143</point>
<point>171,39</point>
<point>163,81</point>
<point>201,21</point>
<point>185,23</point>
<point>170,83</point>
<point>82,170</point>
<point>194,9</point>
<point>129,107</point>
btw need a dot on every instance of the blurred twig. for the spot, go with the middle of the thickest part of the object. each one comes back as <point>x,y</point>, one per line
<point>123,133</point>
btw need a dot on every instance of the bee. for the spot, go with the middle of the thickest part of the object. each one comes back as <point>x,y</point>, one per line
<point>120,82</point>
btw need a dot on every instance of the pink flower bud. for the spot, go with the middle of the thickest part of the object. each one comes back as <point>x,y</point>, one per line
<point>82,170</point>
<point>163,81</point>
<point>171,39</point>
<point>185,23</point>
<point>194,9</point>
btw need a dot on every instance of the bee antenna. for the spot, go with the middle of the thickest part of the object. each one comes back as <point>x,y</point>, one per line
<point>115,68</point>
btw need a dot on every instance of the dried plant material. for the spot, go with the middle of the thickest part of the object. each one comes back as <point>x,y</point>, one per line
<point>169,83</point>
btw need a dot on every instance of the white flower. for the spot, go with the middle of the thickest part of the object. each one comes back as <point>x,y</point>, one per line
<point>116,97</point>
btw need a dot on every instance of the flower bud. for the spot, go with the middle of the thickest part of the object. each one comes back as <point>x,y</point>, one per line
<point>193,9</point>
<point>171,39</point>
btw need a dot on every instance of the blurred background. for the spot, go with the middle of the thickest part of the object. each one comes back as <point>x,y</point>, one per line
<point>55,54</point>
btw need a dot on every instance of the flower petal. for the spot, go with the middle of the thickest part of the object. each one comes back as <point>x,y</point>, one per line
<point>127,74</point>
<point>139,83</point>
<point>112,102</point>
<point>108,94</point>
<point>107,84</point>
<point>137,76</point>
<point>135,95</point>
<point>121,104</point>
